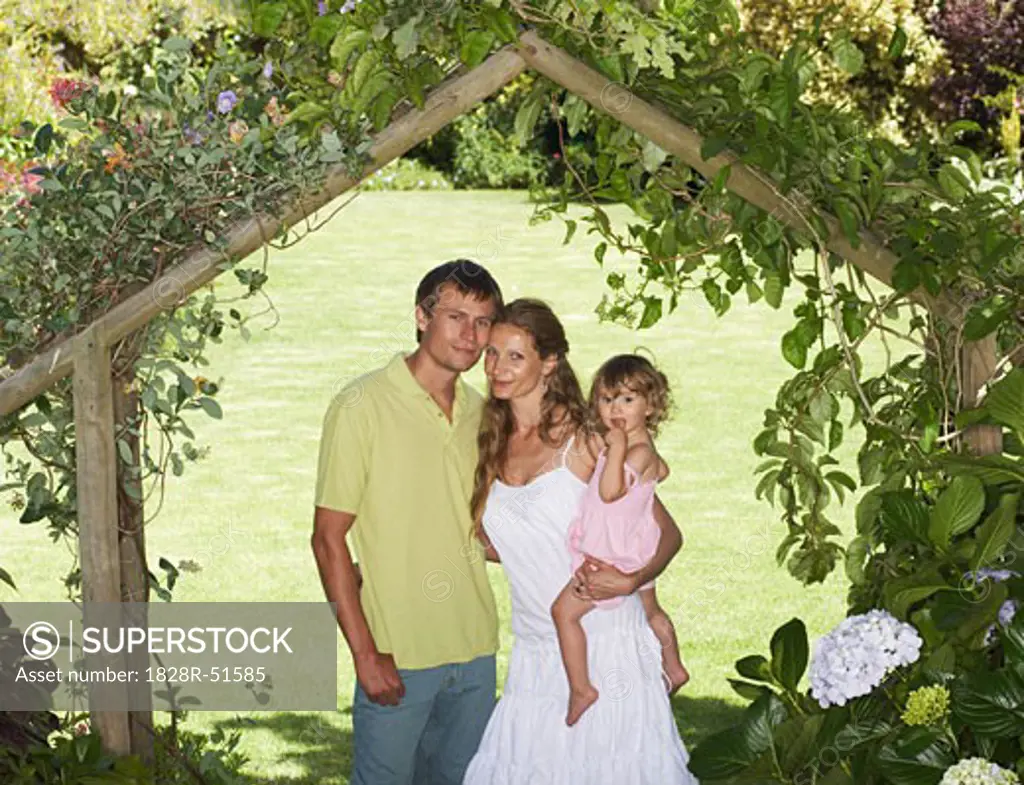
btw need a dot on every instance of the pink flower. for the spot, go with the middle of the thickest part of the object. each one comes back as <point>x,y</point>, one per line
<point>63,91</point>
<point>81,728</point>
<point>30,182</point>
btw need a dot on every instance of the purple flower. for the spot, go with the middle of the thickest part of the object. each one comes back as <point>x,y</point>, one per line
<point>226,101</point>
<point>192,136</point>
<point>350,5</point>
<point>268,70</point>
<point>321,7</point>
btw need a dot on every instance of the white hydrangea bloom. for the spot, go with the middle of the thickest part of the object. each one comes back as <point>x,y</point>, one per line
<point>858,654</point>
<point>978,771</point>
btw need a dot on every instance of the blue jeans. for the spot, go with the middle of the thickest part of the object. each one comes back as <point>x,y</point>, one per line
<point>430,737</point>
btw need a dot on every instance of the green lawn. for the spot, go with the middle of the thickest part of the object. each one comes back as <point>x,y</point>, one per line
<point>343,298</point>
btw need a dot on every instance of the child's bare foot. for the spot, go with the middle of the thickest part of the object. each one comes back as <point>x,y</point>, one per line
<point>579,702</point>
<point>675,676</point>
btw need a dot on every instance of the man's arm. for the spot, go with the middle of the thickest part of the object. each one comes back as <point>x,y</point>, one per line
<point>376,672</point>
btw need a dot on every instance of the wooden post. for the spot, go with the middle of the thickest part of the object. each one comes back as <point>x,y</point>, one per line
<point>132,544</point>
<point>97,499</point>
<point>978,362</point>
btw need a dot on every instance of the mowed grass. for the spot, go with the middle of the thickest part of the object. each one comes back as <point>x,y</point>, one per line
<point>343,297</point>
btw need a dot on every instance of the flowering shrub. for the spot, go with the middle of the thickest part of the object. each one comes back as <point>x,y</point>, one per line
<point>926,705</point>
<point>859,654</point>
<point>406,175</point>
<point>978,771</point>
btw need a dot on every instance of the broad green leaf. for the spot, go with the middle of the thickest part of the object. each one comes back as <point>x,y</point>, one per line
<point>904,592</point>
<point>407,38</point>
<point>849,220</point>
<point>730,752</point>
<point>794,349</point>
<point>526,119</point>
<point>712,146</point>
<point>345,44</point>
<point>957,510</point>
<point>992,703</point>
<point>990,469</point>
<point>906,276</point>
<point>476,46</point>
<point>904,517</point>
<point>789,653</point>
<point>267,19</point>
<point>747,690</point>
<point>995,532</point>
<point>847,54</point>
<point>652,312</point>
<point>755,667</point>
<point>211,407</point>
<point>1005,400</point>
<point>919,756</point>
<point>953,182</point>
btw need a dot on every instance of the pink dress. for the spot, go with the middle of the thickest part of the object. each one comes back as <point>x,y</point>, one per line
<point>622,532</point>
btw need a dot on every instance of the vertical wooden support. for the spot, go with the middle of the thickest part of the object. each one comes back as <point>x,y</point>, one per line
<point>978,361</point>
<point>132,549</point>
<point>97,499</point>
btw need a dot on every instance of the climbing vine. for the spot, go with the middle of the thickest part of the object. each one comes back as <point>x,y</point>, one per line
<point>127,185</point>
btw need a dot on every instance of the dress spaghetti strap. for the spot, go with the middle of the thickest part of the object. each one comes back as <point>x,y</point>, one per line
<point>565,450</point>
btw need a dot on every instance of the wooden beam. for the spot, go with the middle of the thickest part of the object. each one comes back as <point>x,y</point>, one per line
<point>448,101</point>
<point>668,133</point>
<point>96,494</point>
<point>978,362</point>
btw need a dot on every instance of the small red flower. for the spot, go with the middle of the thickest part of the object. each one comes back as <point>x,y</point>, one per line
<point>62,91</point>
<point>556,156</point>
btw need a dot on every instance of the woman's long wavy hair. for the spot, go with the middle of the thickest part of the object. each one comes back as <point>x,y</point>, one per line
<point>563,402</point>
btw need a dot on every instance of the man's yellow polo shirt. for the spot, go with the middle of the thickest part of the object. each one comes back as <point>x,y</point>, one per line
<point>389,456</point>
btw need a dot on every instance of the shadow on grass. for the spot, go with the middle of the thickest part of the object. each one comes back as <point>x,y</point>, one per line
<point>323,752</point>
<point>317,747</point>
<point>698,718</point>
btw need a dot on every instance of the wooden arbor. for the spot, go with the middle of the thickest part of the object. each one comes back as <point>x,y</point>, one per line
<point>112,559</point>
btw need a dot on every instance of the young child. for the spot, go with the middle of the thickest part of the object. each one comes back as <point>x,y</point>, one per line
<point>629,399</point>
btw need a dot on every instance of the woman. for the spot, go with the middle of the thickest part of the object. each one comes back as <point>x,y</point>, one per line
<point>533,467</point>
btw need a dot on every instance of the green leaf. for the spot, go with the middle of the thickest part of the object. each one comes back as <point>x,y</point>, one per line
<point>407,38</point>
<point>904,592</point>
<point>267,19</point>
<point>919,756</point>
<point>897,44</point>
<point>1005,400</point>
<point>847,54</point>
<point>794,349</point>
<point>476,46</point>
<point>731,751</point>
<point>345,44</point>
<point>652,312</point>
<point>953,182</point>
<point>904,517</point>
<point>176,44</point>
<point>960,126</point>
<point>995,532</point>
<point>990,469</point>
<point>789,653</point>
<point>652,156</point>
<point>526,119</point>
<point>211,407</point>
<point>6,578</point>
<point>906,276</point>
<point>849,220</point>
<point>773,290</point>
<point>756,668</point>
<point>957,510</point>
<point>713,145</point>
<point>992,704</point>
<point>43,138</point>
<point>747,690</point>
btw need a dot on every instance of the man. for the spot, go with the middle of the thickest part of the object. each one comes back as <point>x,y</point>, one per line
<point>397,458</point>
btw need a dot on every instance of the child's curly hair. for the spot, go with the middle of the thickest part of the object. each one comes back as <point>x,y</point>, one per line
<point>638,374</point>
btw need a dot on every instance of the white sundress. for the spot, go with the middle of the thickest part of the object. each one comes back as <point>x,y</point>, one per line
<point>629,736</point>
